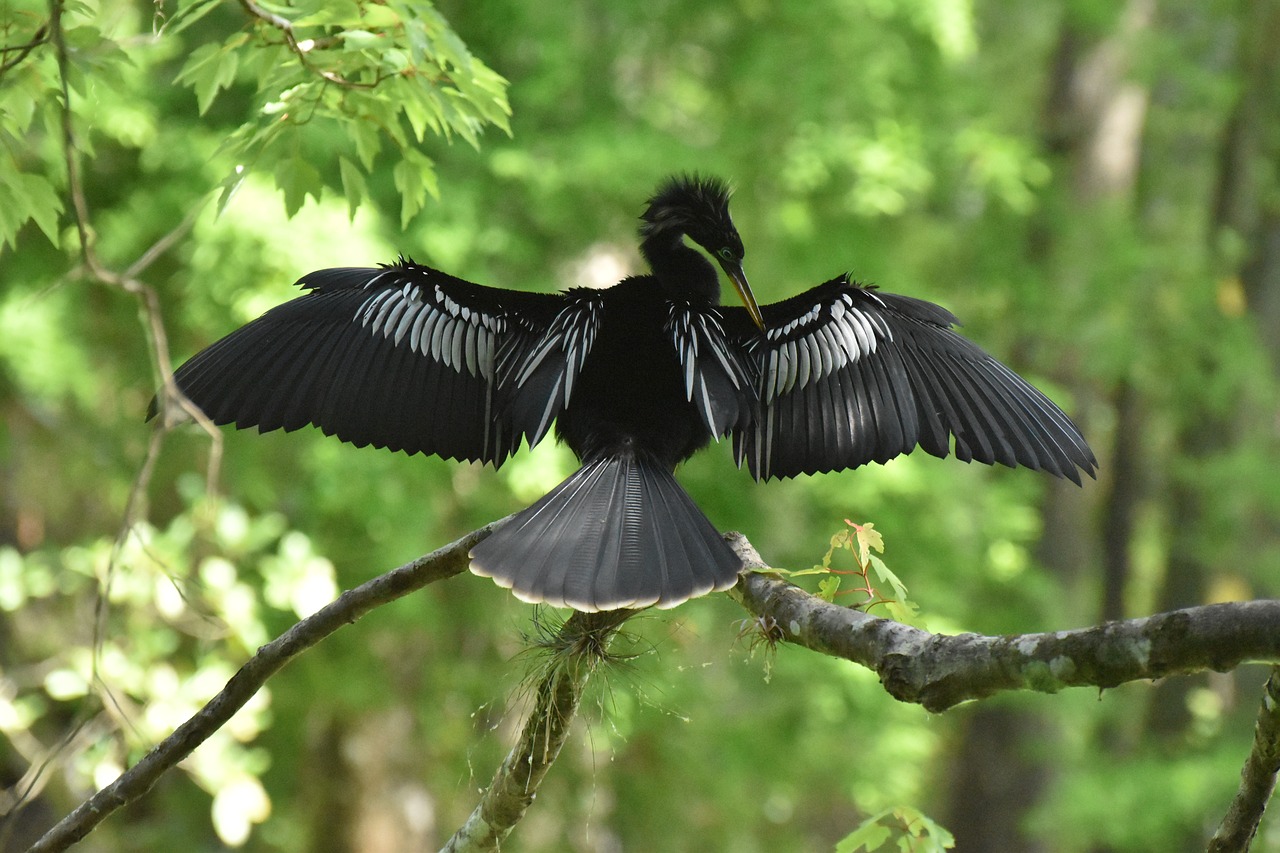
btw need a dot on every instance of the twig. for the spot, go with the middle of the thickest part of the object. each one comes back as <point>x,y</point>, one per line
<point>350,606</point>
<point>285,26</point>
<point>581,646</point>
<point>85,731</point>
<point>22,51</point>
<point>159,247</point>
<point>939,671</point>
<point>1257,779</point>
<point>149,303</point>
<point>149,308</point>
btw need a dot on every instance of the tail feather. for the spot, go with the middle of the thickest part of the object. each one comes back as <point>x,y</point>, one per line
<point>620,533</point>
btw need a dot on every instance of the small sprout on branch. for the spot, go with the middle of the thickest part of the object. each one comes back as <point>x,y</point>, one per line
<point>863,541</point>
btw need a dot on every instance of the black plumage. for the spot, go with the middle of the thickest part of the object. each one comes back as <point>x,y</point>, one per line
<point>636,378</point>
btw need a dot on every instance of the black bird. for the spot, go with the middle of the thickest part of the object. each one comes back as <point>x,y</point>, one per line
<point>637,378</point>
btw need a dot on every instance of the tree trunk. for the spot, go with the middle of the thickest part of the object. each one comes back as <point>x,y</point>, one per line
<point>1093,121</point>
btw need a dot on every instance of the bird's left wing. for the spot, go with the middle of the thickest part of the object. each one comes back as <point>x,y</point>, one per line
<point>403,357</point>
<point>849,375</point>
<point>537,368</point>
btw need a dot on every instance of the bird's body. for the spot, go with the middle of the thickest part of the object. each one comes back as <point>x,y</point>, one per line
<point>636,378</point>
<point>621,399</point>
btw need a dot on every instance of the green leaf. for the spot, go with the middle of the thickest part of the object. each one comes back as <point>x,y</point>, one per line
<point>188,14</point>
<point>827,588</point>
<point>209,69</point>
<point>884,574</point>
<point>297,179</point>
<point>869,539</point>
<point>356,40</point>
<point>415,177</point>
<point>348,14</point>
<point>940,837</point>
<point>32,198</point>
<point>44,204</point>
<point>353,185</point>
<point>906,612</point>
<point>838,542</point>
<point>910,828</point>
<point>423,112</point>
<point>395,61</point>
<point>869,835</point>
<point>364,135</point>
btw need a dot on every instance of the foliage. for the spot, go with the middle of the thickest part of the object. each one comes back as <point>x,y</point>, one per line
<point>372,71</point>
<point>861,540</point>
<point>177,605</point>
<point>902,827</point>
<point>365,73</point>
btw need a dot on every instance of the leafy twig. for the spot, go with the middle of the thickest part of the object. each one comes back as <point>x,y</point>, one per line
<point>22,51</point>
<point>285,26</point>
<point>862,541</point>
<point>149,306</point>
<point>128,281</point>
<point>939,671</point>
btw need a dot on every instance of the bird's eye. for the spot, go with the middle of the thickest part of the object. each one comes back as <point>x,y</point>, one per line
<point>726,253</point>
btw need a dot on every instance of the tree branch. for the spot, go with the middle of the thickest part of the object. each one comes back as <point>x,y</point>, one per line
<point>1257,779</point>
<point>935,671</point>
<point>939,671</point>
<point>578,648</point>
<point>347,608</point>
<point>172,399</point>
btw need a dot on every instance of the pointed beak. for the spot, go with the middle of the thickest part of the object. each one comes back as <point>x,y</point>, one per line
<point>739,279</point>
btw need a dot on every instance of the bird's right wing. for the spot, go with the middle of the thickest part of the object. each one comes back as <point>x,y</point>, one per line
<point>849,375</point>
<point>718,380</point>
<point>403,357</point>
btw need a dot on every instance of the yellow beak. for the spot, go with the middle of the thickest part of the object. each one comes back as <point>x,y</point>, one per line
<point>739,279</point>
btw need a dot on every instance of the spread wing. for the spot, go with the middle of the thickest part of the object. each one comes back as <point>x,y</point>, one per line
<point>850,375</point>
<point>403,357</point>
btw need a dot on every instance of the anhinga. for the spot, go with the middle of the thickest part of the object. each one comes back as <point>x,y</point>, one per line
<point>636,378</point>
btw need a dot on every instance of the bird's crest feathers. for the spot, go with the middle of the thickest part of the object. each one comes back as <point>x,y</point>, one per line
<point>689,204</point>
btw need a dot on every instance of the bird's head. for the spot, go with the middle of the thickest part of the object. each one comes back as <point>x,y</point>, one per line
<point>698,208</point>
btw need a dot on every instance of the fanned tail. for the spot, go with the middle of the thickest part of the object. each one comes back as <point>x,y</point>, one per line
<point>620,533</point>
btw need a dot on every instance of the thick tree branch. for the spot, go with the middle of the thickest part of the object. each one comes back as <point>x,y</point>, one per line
<point>347,608</point>
<point>1257,779</point>
<point>579,647</point>
<point>938,671</point>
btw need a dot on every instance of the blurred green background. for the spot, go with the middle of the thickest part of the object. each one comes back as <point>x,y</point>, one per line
<point>1091,186</point>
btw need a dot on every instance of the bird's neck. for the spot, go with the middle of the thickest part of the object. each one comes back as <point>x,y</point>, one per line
<point>684,273</point>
